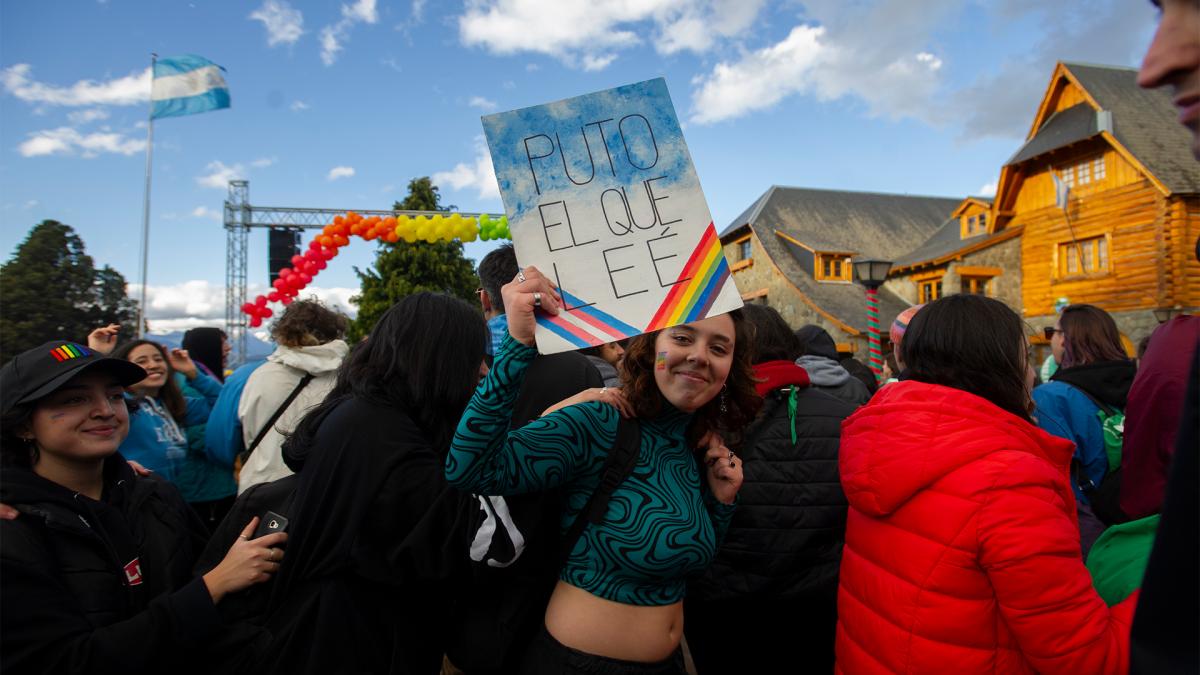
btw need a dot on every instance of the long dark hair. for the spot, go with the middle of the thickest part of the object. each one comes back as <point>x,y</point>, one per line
<point>15,451</point>
<point>204,345</point>
<point>1089,336</point>
<point>973,343</point>
<point>423,357</point>
<point>774,339</point>
<point>741,398</point>
<point>170,395</point>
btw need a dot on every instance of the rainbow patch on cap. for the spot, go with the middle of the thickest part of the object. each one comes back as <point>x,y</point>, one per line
<point>69,351</point>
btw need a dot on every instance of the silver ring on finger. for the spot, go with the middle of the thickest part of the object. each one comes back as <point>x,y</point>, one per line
<point>537,299</point>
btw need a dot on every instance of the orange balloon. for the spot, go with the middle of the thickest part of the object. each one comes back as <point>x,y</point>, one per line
<point>369,234</point>
<point>352,216</point>
<point>391,236</point>
<point>337,220</point>
<point>328,229</point>
<point>340,240</point>
<point>390,222</point>
<point>326,241</point>
<point>358,228</point>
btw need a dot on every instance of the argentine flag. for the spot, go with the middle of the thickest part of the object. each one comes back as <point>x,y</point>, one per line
<point>186,85</point>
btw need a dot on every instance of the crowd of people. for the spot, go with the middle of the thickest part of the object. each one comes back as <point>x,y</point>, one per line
<point>728,495</point>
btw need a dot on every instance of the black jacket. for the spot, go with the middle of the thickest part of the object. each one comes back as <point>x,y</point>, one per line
<point>785,540</point>
<point>75,601</point>
<point>375,552</point>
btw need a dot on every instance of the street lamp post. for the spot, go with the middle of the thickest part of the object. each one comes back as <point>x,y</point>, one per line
<point>871,274</point>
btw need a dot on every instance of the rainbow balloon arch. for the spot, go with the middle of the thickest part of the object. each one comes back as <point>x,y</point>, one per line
<point>324,247</point>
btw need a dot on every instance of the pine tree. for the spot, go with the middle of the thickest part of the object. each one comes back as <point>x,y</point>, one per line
<point>401,269</point>
<point>51,290</point>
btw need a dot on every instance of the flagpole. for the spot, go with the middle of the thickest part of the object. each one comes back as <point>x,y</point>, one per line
<point>141,320</point>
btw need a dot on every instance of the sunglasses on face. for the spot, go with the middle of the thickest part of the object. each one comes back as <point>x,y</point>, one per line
<point>1049,331</point>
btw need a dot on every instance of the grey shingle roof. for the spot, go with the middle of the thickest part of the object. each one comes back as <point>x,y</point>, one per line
<point>868,224</point>
<point>1060,130</point>
<point>871,224</point>
<point>1145,122</point>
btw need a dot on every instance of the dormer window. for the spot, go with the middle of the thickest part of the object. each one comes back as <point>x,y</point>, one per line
<point>833,267</point>
<point>744,250</point>
<point>974,224</point>
<point>1084,172</point>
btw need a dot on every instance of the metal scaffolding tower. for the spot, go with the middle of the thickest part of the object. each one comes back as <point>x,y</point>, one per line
<point>241,217</point>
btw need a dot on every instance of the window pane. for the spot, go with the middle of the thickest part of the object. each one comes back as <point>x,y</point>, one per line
<point>1084,174</point>
<point>1068,176</point>
<point>939,291</point>
<point>1102,248</point>
<point>1087,250</point>
<point>1098,168</point>
<point>837,269</point>
<point>1072,259</point>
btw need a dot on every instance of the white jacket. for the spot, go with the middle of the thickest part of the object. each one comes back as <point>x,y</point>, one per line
<point>266,390</point>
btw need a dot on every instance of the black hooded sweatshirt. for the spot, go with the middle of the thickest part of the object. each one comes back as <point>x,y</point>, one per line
<point>100,586</point>
<point>1107,382</point>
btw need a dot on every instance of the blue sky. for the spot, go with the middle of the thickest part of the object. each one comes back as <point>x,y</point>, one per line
<point>338,105</point>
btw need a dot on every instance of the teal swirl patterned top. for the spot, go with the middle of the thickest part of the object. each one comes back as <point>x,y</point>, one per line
<point>662,522</point>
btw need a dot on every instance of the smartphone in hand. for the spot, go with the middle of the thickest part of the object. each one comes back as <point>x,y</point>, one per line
<point>270,523</point>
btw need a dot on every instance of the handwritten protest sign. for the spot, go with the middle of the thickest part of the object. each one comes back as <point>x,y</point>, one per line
<point>602,197</point>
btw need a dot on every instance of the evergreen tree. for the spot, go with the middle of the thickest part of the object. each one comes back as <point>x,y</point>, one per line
<point>50,290</point>
<point>401,269</point>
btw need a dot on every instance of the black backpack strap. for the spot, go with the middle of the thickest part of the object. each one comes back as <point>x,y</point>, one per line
<point>275,416</point>
<point>617,467</point>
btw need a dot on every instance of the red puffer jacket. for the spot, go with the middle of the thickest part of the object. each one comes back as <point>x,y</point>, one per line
<point>962,548</point>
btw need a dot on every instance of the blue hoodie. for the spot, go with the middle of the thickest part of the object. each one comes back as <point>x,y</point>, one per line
<point>155,440</point>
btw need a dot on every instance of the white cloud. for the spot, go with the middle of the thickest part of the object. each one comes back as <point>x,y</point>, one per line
<point>392,63</point>
<point>297,106</point>
<point>340,172</point>
<point>129,90</point>
<point>219,175</point>
<point>31,203</point>
<point>482,103</point>
<point>84,116</point>
<point>418,10</point>
<point>588,34</point>
<point>479,175</point>
<point>987,190</point>
<point>875,53</point>
<point>263,162</point>
<point>205,212</point>
<point>362,11</point>
<point>284,23</point>
<point>191,304</point>
<point>68,141</point>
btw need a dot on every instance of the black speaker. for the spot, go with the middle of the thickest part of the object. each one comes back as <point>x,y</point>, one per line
<point>282,244</point>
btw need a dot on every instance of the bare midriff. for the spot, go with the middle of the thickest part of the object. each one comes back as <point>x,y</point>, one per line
<point>594,625</point>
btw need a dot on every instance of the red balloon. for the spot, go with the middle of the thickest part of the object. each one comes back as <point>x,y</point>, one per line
<point>273,296</point>
<point>297,260</point>
<point>314,244</point>
<point>285,272</point>
<point>261,301</point>
<point>255,321</point>
<point>309,268</point>
<point>249,308</point>
<point>296,281</point>
<point>321,264</point>
<point>328,253</point>
<point>305,277</point>
<point>266,313</point>
<point>279,284</point>
<point>287,300</point>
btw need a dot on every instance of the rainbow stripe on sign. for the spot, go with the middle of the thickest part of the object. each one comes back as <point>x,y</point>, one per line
<point>599,327</point>
<point>68,351</point>
<point>698,285</point>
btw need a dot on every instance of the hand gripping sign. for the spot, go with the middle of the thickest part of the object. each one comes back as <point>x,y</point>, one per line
<point>601,196</point>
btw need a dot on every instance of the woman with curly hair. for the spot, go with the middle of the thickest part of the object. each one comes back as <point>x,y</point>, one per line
<point>618,604</point>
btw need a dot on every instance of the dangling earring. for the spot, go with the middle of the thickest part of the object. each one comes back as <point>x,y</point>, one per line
<point>724,406</point>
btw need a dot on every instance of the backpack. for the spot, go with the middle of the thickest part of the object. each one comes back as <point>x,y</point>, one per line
<point>514,572</point>
<point>1105,498</point>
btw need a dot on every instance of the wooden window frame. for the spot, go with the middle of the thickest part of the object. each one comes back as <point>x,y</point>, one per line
<point>936,281</point>
<point>1061,267</point>
<point>845,268</point>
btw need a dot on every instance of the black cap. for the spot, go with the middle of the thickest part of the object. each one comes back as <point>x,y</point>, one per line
<point>41,370</point>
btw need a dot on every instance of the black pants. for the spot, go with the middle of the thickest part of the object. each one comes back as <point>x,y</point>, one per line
<point>753,635</point>
<point>549,656</point>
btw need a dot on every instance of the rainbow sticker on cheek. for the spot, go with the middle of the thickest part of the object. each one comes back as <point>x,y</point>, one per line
<point>660,361</point>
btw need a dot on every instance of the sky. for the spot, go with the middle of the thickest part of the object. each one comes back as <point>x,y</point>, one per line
<point>339,105</point>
